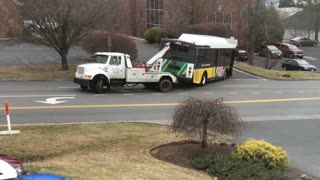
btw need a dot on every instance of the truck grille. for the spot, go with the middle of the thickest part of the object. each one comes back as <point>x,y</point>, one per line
<point>80,70</point>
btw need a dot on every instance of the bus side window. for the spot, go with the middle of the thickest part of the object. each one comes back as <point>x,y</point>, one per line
<point>221,58</point>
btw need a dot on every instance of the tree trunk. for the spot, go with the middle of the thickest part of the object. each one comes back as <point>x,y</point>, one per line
<point>251,50</point>
<point>316,34</point>
<point>204,140</point>
<point>64,62</point>
<point>133,18</point>
<point>266,66</point>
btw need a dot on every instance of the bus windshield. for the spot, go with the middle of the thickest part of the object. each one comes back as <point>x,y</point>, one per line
<point>180,52</point>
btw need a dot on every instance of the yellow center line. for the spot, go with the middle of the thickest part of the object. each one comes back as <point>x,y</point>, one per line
<point>154,104</point>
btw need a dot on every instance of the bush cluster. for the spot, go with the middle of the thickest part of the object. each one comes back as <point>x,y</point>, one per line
<point>252,159</point>
<point>98,42</point>
<point>231,168</point>
<point>262,152</point>
<point>152,35</point>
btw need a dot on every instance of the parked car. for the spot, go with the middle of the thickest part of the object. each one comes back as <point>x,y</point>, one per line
<point>302,41</point>
<point>269,51</point>
<point>289,50</point>
<point>7,171</point>
<point>242,55</point>
<point>15,163</point>
<point>297,65</point>
<point>41,177</point>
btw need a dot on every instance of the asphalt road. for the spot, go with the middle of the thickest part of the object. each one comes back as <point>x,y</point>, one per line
<point>313,52</point>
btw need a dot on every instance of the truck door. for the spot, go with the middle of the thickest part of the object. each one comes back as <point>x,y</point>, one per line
<point>117,67</point>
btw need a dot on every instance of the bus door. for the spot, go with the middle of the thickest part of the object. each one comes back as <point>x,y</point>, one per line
<point>215,62</point>
<point>233,56</point>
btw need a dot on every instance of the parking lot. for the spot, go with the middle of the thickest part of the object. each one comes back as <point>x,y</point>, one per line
<point>312,56</point>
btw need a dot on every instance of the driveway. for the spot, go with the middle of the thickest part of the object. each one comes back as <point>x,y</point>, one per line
<point>17,52</point>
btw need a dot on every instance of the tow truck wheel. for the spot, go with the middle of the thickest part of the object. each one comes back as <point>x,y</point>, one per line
<point>99,87</point>
<point>83,87</point>
<point>165,85</point>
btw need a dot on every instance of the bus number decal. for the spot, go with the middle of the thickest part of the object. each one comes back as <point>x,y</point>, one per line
<point>190,68</point>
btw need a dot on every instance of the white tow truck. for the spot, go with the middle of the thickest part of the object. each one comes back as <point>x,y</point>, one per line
<point>115,70</point>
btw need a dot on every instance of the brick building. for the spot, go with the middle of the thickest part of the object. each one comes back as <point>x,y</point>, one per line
<point>136,16</point>
<point>9,19</point>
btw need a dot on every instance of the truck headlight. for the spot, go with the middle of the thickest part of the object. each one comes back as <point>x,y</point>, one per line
<point>88,76</point>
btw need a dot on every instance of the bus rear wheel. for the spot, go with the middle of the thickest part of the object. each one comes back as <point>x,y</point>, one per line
<point>203,79</point>
<point>225,75</point>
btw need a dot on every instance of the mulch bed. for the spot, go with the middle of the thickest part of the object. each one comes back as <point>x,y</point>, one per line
<point>179,153</point>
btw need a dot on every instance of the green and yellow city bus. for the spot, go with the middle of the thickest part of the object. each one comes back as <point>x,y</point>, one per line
<point>198,58</point>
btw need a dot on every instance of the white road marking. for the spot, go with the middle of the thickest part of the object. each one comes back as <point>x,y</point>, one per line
<point>300,92</point>
<point>31,96</point>
<point>183,93</point>
<point>128,94</point>
<point>310,58</point>
<point>282,117</point>
<point>256,92</point>
<point>55,100</point>
<point>207,93</point>
<point>233,93</point>
<point>99,95</point>
<point>240,86</point>
<point>67,87</point>
<point>279,92</point>
<point>156,94</point>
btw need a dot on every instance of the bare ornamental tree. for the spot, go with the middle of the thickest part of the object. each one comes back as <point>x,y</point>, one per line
<point>61,23</point>
<point>196,117</point>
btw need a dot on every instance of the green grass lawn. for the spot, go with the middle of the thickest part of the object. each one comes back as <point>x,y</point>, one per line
<point>279,75</point>
<point>36,72</point>
<point>95,151</point>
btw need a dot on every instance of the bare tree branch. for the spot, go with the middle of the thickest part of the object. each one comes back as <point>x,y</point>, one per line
<point>61,23</point>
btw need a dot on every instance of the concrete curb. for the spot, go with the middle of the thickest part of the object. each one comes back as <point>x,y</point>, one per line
<point>159,122</point>
<point>249,74</point>
<point>138,39</point>
<point>7,39</point>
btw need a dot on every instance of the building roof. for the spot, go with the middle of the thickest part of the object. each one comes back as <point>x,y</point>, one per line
<point>298,21</point>
<point>212,41</point>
